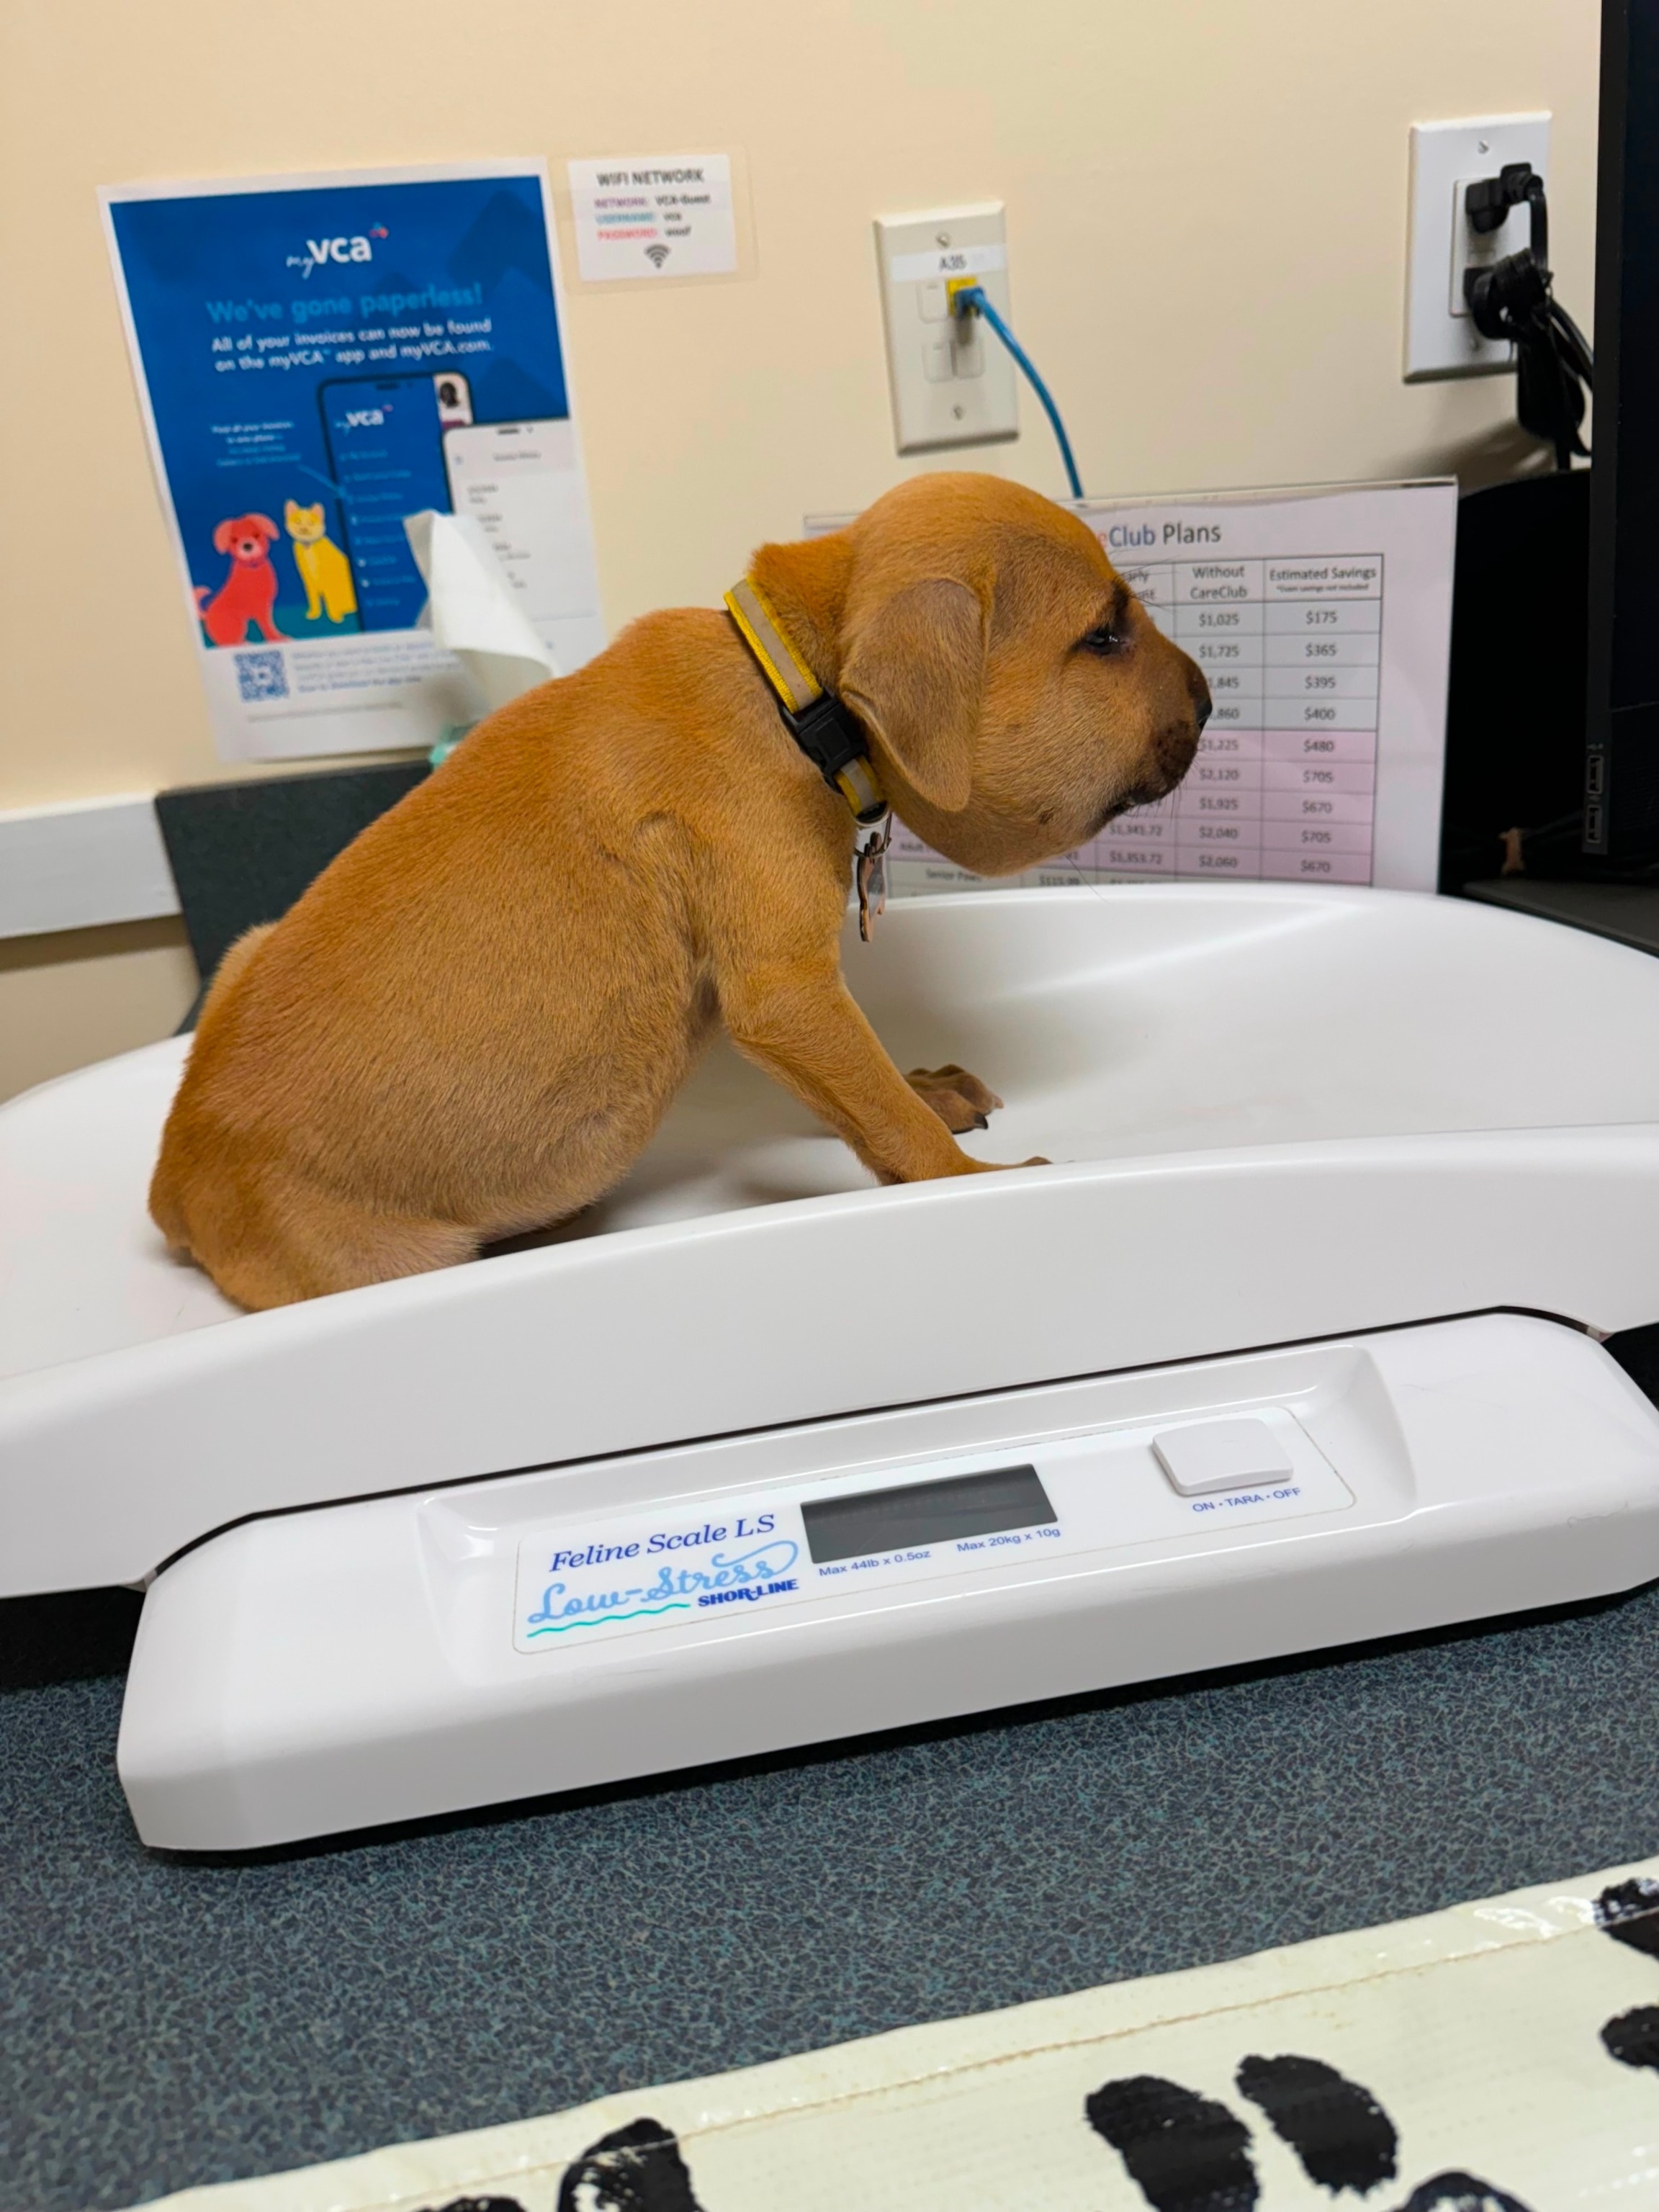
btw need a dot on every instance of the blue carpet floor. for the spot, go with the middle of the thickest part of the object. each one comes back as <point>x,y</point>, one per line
<point>166,2021</point>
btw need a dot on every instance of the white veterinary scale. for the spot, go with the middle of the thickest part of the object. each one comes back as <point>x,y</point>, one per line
<point>1294,1344</point>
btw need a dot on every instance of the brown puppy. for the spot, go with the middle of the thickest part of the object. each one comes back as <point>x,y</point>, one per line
<point>472,1022</point>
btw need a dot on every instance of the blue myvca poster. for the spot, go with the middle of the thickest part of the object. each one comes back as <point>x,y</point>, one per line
<point>319,358</point>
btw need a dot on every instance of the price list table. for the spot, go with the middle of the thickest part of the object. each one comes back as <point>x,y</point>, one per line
<point>1285,781</point>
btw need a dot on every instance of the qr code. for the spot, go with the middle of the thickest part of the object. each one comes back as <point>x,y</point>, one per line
<point>261,676</point>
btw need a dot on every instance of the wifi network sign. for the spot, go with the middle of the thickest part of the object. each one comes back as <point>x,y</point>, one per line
<point>653,216</point>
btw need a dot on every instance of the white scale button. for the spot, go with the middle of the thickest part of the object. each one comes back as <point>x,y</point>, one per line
<point>1220,1455</point>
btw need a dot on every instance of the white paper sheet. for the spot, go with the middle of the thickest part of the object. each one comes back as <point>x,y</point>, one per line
<point>472,609</point>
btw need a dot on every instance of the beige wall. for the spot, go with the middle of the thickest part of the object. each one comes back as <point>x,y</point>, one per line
<point>1206,221</point>
<point>79,996</point>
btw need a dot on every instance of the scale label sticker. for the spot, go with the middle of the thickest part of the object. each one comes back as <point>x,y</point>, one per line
<point>583,1583</point>
<point>575,1586</point>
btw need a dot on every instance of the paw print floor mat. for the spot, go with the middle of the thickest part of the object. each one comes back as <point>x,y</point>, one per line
<point>1503,2056</point>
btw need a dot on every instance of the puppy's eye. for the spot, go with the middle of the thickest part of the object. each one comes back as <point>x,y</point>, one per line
<point>1108,639</point>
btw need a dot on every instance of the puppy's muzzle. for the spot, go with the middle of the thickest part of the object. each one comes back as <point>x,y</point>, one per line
<point>1171,751</point>
<point>1177,741</point>
<point>1199,690</point>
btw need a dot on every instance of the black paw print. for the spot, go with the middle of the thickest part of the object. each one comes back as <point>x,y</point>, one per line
<point>1190,2154</point>
<point>1629,1912</point>
<point>637,2168</point>
<point>482,2204</point>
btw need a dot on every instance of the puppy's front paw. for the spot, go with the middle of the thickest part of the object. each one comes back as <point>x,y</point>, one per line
<point>961,1101</point>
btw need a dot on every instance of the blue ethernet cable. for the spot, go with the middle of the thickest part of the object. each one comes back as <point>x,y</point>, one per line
<point>970,300</point>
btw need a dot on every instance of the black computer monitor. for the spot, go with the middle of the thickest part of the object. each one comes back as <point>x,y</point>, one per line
<point>1621,775</point>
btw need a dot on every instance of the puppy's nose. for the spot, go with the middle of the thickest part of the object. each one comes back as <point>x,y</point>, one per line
<point>1200,696</point>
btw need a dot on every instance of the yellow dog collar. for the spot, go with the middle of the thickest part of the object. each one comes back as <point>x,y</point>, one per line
<point>821,726</point>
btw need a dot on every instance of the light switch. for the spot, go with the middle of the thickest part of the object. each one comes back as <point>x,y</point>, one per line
<point>1206,1455</point>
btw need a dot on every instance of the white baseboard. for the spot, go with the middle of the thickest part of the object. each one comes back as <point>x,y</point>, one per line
<point>80,863</point>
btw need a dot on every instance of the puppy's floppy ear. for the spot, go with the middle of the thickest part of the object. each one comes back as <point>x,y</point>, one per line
<point>915,671</point>
<point>222,538</point>
<point>265,524</point>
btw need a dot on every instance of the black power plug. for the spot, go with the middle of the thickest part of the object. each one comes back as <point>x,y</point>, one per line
<point>1487,202</point>
<point>1513,300</point>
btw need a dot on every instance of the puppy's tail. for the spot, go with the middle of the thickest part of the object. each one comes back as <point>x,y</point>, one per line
<point>203,595</point>
<point>171,1177</point>
<point>233,965</point>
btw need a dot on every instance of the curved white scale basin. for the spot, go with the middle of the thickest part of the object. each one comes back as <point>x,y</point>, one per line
<point>1274,1113</point>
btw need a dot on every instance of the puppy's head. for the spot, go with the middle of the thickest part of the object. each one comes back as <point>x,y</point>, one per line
<point>1016,693</point>
<point>246,538</point>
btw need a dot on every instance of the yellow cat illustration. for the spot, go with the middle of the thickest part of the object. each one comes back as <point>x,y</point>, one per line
<point>324,569</point>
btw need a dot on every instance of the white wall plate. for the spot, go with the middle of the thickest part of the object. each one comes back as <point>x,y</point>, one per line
<point>1440,339</point>
<point>945,392</point>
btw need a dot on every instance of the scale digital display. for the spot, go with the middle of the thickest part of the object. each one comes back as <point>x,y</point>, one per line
<point>916,1513</point>
<point>731,1559</point>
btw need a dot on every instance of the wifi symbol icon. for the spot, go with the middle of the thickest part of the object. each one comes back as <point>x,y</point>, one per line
<point>656,255</point>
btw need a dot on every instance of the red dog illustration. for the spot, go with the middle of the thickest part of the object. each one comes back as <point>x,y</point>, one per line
<point>249,592</point>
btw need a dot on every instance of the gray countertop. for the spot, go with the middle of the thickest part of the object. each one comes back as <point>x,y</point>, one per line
<point>166,2021</point>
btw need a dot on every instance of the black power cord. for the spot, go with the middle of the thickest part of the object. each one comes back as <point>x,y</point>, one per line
<point>1513,301</point>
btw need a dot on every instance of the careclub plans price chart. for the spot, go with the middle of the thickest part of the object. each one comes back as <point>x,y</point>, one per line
<point>1285,783</point>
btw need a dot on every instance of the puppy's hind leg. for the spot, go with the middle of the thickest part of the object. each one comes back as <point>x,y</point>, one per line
<point>294,1241</point>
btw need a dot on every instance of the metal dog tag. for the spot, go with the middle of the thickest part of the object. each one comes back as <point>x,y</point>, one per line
<point>872,877</point>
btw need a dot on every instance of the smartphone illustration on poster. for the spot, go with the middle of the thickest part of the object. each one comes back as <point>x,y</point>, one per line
<point>522,482</point>
<point>384,438</point>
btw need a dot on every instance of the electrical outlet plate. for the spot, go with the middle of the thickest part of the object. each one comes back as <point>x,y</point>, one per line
<point>945,392</point>
<point>1440,339</point>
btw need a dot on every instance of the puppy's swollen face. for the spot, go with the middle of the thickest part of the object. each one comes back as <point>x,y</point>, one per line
<point>1016,693</point>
